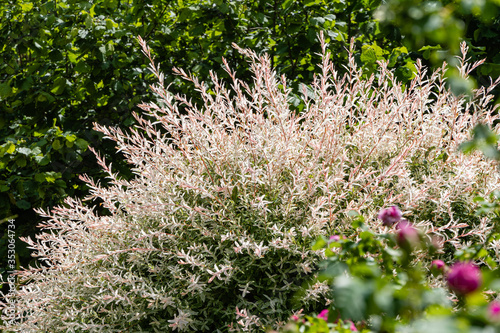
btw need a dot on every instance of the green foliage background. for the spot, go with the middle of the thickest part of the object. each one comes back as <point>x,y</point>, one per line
<point>68,63</point>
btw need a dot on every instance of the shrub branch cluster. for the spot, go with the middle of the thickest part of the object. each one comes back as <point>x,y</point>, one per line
<point>214,233</point>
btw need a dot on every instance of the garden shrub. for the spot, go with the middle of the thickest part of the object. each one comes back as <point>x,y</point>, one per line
<point>214,233</point>
<point>377,285</point>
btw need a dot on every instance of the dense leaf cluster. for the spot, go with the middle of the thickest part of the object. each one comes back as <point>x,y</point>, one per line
<point>69,63</point>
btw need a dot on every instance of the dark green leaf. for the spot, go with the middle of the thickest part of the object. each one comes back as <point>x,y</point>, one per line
<point>56,145</point>
<point>55,55</point>
<point>5,90</point>
<point>81,143</point>
<point>58,86</point>
<point>23,204</point>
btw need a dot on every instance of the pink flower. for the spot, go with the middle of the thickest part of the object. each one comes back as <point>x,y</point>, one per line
<point>494,310</point>
<point>407,234</point>
<point>323,314</point>
<point>390,215</point>
<point>295,318</point>
<point>464,278</point>
<point>334,238</point>
<point>353,327</point>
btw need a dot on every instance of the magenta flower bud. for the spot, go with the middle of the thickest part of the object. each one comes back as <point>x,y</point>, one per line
<point>407,234</point>
<point>390,215</point>
<point>438,265</point>
<point>295,318</point>
<point>464,278</point>
<point>494,310</point>
<point>323,314</point>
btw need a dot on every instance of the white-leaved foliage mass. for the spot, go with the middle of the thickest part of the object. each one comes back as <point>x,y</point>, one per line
<point>214,233</point>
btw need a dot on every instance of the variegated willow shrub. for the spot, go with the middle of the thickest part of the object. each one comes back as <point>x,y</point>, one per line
<point>214,233</point>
